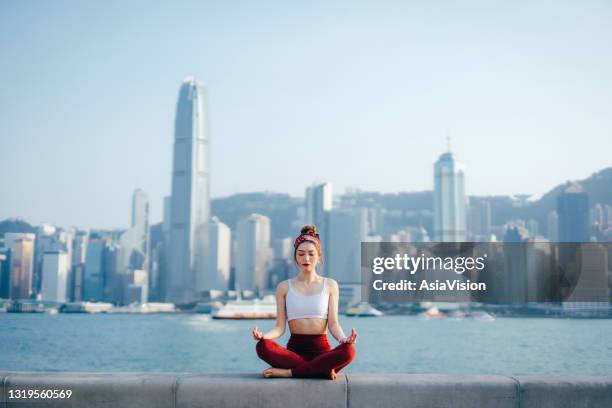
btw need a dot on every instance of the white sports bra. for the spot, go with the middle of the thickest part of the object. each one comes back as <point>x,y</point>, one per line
<point>304,306</point>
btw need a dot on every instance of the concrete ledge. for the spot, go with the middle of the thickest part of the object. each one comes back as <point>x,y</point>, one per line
<point>251,390</point>
<point>94,389</point>
<point>432,390</point>
<point>562,392</point>
<point>182,390</point>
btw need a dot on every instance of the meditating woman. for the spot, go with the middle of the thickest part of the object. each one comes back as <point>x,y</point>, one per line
<point>309,303</point>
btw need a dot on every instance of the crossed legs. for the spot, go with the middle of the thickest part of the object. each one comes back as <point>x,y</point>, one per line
<point>327,363</point>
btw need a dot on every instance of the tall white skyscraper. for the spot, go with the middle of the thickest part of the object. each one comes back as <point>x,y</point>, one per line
<point>319,202</point>
<point>140,213</point>
<point>449,200</point>
<point>347,228</point>
<point>218,269</point>
<point>134,240</point>
<point>190,203</point>
<point>55,267</point>
<point>253,252</point>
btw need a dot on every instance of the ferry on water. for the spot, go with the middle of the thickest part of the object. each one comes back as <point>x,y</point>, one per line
<point>247,309</point>
<point>363,309</point>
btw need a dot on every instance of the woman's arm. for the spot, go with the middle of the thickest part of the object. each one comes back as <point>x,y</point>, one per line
<point>281,313</point>
<point>332,313</point>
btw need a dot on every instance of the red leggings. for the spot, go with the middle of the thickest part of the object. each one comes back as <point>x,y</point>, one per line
<point>307,355</point>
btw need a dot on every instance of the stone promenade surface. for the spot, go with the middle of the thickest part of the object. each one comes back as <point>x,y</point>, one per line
<point>177,390</point>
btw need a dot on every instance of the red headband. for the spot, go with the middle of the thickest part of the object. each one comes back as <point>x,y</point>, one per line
<point>304,238</point>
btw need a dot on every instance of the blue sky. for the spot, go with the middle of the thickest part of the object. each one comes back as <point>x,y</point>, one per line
<point>362,94</point>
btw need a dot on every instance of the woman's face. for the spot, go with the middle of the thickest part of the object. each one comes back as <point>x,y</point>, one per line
<point>307,256</point>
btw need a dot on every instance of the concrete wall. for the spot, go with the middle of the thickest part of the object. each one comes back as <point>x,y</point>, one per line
<point>142,390</point>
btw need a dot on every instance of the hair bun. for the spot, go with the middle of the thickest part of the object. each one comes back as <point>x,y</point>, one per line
<point>309,229</point>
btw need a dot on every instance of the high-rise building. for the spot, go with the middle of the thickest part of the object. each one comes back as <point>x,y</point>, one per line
<point>319,202</point>
<point>5,273</point>
<point>190,206</point>
<point>133,241</point>
<point>93,274</point>
<point>77,270</point>
<point>449,200</point>
<point>55,267</point>
<point>22,263</point>
<point>140,211</point>
<point>347,228</point>
<point>480,220</point>
<point>597,215</point>
<point>218,268</point>
<point>50,239</point>
<point>156,261</point>
<point>253,253</point>
<point>552,226</point>
<point>573,210</point>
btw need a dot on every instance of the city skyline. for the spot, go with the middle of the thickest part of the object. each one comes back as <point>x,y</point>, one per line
<point>360,97</point>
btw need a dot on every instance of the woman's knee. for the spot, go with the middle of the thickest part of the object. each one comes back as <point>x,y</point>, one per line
<point>262,347</point>
<point>348,350</point>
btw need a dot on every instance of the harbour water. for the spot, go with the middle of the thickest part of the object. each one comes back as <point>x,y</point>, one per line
<point>391,344</point>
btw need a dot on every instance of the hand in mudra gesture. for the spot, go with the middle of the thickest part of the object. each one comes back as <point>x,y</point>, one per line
<point>351,339</point>
<point>257,335</point>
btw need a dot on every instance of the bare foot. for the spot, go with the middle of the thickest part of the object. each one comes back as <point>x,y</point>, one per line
<point>276,373</point>
<point>333,375</point>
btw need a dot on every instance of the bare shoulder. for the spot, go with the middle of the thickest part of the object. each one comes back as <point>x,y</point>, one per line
<point>282,287</point>
<point>332,283</point>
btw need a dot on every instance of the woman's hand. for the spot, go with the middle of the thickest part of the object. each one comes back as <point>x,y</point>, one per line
<point>350,339</point>
<point>257,335</point>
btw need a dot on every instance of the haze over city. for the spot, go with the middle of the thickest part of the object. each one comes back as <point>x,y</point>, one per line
<point>359,94</point>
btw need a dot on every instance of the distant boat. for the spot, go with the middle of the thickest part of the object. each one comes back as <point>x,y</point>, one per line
<point>433,312</point>
<point>363,309</point>
<point>142,308</point>
<point>86,307</point>
<point>247,309</point>
<point>207,307</point>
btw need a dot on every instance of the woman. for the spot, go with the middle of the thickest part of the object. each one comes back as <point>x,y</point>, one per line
<point>309,303</point>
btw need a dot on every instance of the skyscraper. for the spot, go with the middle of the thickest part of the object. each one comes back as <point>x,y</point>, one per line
<point>319,202</point>
<point>22,263</point>
<point>134,240</point>
<point>449,200</point>
<point>573,210</point>
<point>140,214</point>
<point>253,252</point>
<point>347,228</point>
<point>55,267</point>
<point>93,279</point>
<point>219,260</point>
<point>190,202</point>
<point>552,226</point>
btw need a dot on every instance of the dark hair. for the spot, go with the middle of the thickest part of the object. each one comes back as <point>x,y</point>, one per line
<point>309,229</point>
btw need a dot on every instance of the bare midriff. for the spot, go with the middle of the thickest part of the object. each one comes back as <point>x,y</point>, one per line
<point>308,326</point>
